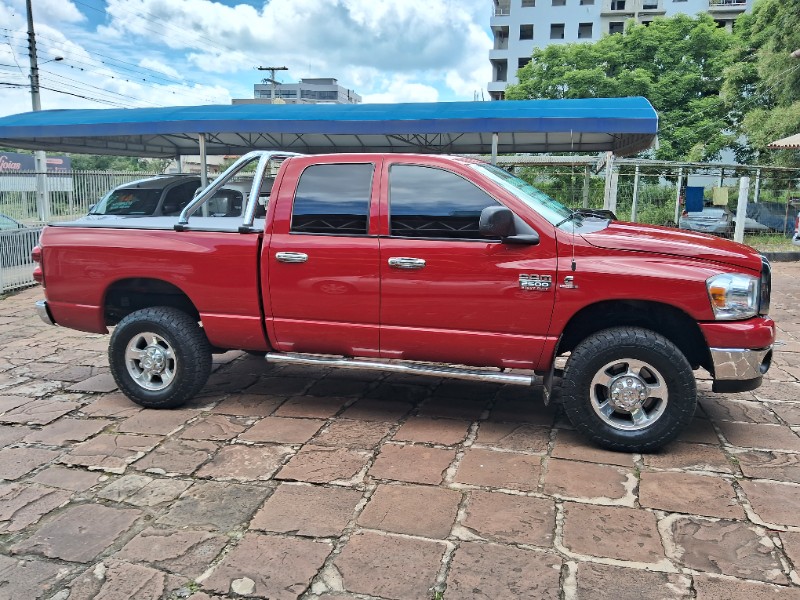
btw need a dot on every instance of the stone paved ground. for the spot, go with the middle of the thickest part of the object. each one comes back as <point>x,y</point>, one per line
<point>294,482</point>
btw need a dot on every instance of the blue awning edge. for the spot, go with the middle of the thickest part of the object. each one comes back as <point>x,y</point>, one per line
<point>622,125</point>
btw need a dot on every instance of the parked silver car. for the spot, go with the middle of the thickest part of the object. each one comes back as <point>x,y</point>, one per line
<point>717,220</point>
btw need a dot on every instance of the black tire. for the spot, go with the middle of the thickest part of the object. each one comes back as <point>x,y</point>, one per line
<point>168,338</point>
<point>645,373</point>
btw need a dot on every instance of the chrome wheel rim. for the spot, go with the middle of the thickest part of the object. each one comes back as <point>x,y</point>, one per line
<point>628,394</point>
<point>151,361</point>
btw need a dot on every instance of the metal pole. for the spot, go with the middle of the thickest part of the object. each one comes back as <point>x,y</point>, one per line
<point>721,177</point>
<point>609,176</point>
<point>586,180</point>
<point>635,205</point>
<point>757,191</point>
<point>40,158</point>
<point>201,139</point>
<point>678,196</point>
<point>741,209</point>
<point>495,140</point>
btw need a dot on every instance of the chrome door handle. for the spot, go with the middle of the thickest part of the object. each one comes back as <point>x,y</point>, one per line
<point>405,262</point>
<point>291,257</point>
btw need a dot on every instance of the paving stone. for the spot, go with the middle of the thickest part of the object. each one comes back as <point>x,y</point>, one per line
<point>321,464</point>
<point>245,463</point>
<point>514,436</point>
<point>727,548</point>
<point>450,408</point>
<point>109,452</point>
<point>11,402</point>
<point>307,510</point>
<point>184,552</point>
<point>774,502</point>
<point>682,455</point>
<point>216,505</point>
<point>29,579</point>
<point>156,422</point>
<point>570,445</point>
<point>507,470</point>
<point>389,390</point>
<point>612,532</point>
<point>760,436</point>
<point>510,518</point>
<point>143,491</point>
<point>177,456</point>
<point>98,383</point>
<point>67,430</point>
<point>490,571</point>
<point>222,381</point>
<point>415,464</point>
<point>353,434</point>
<point>311,407</point>
<point>788,412</point>
<point>33,388</point>
<point>699,431</point>
<point>729,409</point>
<point>39,412</point>
<point>773,390</point>
<point>689,493</point>
<point>369,409</point>
<point>572,479</point>
<point>710,587</point>
<point>75,480</point>
<point>791,545</point>
<point>278,386</point>
<point>248,405</point>
<point>389,566</point>
<point>79,533</point>
<point>446,432</point>
<point>629,584</point>
<point>117,580</point>
<point>338,387</point>
<point>531,411</point>
<point>214,427</point>
<point>16,462</point>
<point>279,568</point>
<point>780,466</point>
<point>73,373</point>
<point>282,430</point>
<point>12,434</point>
<point>22,505</point>
<point>115,405</point>
<point>412,509</point>
<point>466,390</point>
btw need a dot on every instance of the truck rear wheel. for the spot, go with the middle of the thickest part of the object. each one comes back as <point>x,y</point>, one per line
<point>159,357</point>
<point>629,389</point>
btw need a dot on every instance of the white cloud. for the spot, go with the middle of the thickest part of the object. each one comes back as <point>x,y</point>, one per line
<point>158,66</point>
<point>400,89</point>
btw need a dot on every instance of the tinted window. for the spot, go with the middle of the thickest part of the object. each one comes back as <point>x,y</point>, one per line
<point>333,199</point>
<point>178,197</point>
<point>134,201</point>
<point>432,203</point>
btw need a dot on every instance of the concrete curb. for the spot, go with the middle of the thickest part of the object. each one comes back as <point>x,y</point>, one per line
<point>782,256</point>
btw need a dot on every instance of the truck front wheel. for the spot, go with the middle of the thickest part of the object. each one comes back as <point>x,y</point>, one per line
<point>159,357</point>
<point>629,389</point>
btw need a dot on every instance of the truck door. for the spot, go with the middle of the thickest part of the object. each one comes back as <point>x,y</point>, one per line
<point>321,264</point>
<point>447,293</point>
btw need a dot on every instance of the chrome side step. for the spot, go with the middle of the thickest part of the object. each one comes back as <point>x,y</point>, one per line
<point>399,366</point>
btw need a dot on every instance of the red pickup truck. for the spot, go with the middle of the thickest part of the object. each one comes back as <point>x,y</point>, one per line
<point>435,265</point>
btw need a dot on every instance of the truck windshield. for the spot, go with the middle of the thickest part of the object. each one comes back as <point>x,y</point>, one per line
<point>550,209</point>
<point>134,201</point>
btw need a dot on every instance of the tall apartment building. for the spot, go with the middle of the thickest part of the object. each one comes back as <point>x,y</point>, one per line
<point>320,90</point>
<point>519,26</point>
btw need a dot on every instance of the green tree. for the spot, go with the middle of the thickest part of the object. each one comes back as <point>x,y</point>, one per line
<point>676,63</point>
<point>92,162</point>
<point>762,82</point>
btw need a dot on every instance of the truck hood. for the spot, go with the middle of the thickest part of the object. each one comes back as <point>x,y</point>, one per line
<point>664,240</point>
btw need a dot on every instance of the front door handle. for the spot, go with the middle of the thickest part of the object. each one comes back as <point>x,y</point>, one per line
<point>405,262</point>
<point>291,257</point>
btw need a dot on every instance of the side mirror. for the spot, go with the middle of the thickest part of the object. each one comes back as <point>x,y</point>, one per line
<point>496,222</point>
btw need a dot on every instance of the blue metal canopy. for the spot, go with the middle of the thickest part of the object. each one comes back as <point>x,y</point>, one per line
<point>622,125</point>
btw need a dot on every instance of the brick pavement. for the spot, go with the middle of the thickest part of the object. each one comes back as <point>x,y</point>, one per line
<point>285,482</point>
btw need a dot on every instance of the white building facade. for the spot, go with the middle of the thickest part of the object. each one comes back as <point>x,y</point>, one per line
<point>321,90</point>
<point>519,26</point>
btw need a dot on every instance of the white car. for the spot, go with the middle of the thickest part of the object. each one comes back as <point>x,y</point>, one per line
<point>796,238</point>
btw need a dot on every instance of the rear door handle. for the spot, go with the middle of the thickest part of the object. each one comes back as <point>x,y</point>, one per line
<point>405,262</point>
<point>291,257</point>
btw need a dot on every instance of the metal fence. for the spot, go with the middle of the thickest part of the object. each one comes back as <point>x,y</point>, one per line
<point>16,266</point>
<point>69,193</point>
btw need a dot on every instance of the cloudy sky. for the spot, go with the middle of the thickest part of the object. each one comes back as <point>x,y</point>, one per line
<point>139,53</point>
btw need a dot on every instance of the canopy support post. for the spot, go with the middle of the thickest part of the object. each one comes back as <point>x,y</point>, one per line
<point>586,180</point>
<point>495,140</point>
<point>678,194</point>
<point>201,139</point>
<point>635,205</point>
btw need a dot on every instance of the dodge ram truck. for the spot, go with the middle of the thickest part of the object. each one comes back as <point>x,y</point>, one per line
<point>433,265</point>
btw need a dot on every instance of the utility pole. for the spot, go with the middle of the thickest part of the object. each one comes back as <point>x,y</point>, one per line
<point>271,77</point>
<point>40,158</point>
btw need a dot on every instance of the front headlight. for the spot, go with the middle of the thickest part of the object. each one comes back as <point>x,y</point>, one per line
<point>733,296</point>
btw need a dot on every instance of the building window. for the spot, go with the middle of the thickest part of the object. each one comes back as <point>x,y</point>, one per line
<point>584,31</point>
<point>650,5</point>
<point>616,27</point>
<point>500,69</point>
<point>722,23</point>
<point>526,32</point>
<point>586,2</point>
<point>646,23</point>
<point>559,2</point>
<point>523,61</point>
<point>618,4</point>
<point>557,31</point>
<point>528,3</point>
